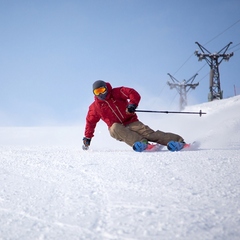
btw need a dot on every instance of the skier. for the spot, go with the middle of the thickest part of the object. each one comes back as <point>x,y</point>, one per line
<point>116,107</point>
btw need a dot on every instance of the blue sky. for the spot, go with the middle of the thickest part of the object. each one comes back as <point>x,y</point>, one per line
<point>52,52</point>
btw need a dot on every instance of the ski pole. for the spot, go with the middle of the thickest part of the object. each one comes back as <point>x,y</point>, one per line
<point>150,111</point>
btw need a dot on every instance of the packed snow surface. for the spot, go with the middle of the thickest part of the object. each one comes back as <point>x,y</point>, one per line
<point>51,189</point>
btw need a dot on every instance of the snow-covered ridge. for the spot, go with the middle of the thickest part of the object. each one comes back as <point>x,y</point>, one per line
<point>52,189</point>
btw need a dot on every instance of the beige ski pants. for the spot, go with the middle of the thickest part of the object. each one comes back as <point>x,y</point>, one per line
<point>137,131</point>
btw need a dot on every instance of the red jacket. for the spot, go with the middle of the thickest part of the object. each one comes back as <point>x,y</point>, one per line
<point>112,109</point>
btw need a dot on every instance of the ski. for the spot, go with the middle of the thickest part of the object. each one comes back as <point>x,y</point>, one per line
<point>179,146</point>
<point>154,147</point>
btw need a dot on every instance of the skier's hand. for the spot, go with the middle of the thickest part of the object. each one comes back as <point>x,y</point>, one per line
<point>131,108</point>
<point>86,143</point>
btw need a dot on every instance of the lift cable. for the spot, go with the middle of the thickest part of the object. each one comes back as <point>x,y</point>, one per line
<point>222,32</point>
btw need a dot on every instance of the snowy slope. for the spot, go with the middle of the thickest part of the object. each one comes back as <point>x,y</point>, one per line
<point>51,189</point>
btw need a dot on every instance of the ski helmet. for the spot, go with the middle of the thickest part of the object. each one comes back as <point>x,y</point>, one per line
<point>100,89</point>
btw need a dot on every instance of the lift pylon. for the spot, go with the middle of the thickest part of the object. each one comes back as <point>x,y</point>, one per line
<point>182,88</point>
<point>214,60</point>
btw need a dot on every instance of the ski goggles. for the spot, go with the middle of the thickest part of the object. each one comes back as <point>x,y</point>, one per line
<point>99,91</point>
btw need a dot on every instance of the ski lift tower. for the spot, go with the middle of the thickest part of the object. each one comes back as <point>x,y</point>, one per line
<point>214,60</point>
<point>182,88</point>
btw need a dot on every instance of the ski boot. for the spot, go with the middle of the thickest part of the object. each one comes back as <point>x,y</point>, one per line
<point>175,146</point>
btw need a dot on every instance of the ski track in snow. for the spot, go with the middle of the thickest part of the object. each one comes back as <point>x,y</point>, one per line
<point>56,192</point>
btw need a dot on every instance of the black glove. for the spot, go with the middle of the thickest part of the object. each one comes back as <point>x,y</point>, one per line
<point>131,108</point>
<point>86,143</point>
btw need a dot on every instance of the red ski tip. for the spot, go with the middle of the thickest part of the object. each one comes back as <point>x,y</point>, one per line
<point>187,145</point>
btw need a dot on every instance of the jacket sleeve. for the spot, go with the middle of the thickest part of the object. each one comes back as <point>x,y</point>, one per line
<point>131,95</point>
<point>92,119</point>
